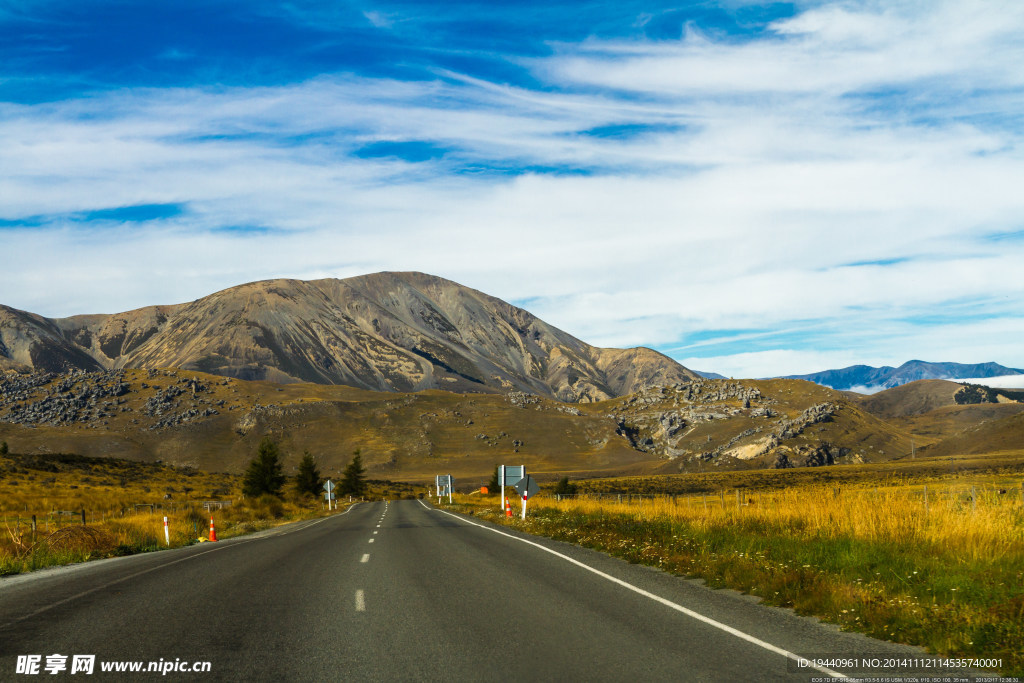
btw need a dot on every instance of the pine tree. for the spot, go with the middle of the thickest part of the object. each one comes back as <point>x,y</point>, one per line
<point>353,479</point>
<point>265,474</point>
<point>3,448</point>
<point>493,484</point>
<point>308,479</point>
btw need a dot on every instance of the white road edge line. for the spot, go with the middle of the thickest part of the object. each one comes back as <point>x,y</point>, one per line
<point>365,558</point>
<point>360,601</point>
<point>668,603</point>
<point>231,544</point>
<point>123,579</point>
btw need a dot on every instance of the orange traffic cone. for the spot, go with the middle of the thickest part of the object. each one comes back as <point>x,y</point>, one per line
<point>508,508</point>
<point>213,532</point>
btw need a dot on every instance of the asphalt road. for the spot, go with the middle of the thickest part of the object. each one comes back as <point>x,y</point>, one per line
<point>404,592</point>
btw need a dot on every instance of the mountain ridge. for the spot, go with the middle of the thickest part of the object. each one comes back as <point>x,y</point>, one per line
<point>384,331</point>
<point>887,377</point>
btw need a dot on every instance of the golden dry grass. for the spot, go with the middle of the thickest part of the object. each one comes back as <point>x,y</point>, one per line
<point>947,574</point>
<point>124,504</point>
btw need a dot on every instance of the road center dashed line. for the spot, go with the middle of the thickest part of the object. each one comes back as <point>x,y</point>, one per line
<point>371,540</point>
<point>365,558</point>
<point>360,601</point>
<point>647,594</point>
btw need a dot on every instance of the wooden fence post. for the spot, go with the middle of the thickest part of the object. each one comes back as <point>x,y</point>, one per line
<point>737,500</point>
<point>974,499</point>
<point>926,499</point>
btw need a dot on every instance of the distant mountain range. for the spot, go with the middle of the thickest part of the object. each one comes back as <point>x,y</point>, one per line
<point>386,332</point>
<point>869,379</point>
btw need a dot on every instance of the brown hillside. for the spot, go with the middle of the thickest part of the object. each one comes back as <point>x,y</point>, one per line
<point>913,398</point>
<point>401,332</point>
<point>215,423</point>
<point>1004,433</point>
<point>944,423</point>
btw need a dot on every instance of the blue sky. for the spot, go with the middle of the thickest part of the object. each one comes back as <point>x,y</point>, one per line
<point>752,188</point>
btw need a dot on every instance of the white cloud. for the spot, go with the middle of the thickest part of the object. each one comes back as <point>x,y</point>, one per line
<point>1003,382</point>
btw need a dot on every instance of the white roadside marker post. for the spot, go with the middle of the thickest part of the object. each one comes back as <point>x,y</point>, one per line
<point>167,532</point>
<point>525,496</point>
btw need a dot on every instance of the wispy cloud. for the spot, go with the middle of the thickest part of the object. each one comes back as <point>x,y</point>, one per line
<point>815,188</point>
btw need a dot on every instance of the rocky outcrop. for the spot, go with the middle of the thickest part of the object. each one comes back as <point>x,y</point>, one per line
<point>90,399</point>
<point>821,412</point>
<point>60,400</point>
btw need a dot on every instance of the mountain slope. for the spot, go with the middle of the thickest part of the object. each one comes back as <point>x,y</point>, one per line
<point>30,341</point>
<point>885,377</point>
<point>216,423</point>
<point>385,332</point>
<point>912,398</point>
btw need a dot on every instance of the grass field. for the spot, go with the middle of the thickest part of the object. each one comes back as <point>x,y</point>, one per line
<point>937,561</point>
<point>124,504</point>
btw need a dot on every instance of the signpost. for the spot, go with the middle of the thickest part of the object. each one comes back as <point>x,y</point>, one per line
<point>526,487</point>
<point>329,495</point>
<point>445,484</point>
<point>508,474</point>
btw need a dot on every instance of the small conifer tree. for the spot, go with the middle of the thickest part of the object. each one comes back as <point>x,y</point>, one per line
<point>308,479</point>
<point>353,479</point>
<point>264,474</point>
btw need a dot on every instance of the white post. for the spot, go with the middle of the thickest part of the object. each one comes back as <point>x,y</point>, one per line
<point>525,496</point>
<point>501,485</point>
<point>167,532</point>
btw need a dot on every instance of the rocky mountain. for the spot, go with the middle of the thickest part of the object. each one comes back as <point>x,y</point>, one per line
<point>386,332</point>
<point>868,378</point>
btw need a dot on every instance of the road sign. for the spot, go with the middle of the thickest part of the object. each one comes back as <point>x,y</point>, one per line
<point>445,484</point>
<point>508,474</point>
<point>329,488</point>
<point>527,486</point>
